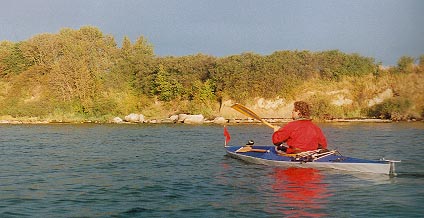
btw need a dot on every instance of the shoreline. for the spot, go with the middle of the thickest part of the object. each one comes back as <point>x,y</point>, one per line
<point>206,121</point>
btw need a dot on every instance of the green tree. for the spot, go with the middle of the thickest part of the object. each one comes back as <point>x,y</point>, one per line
<point>334,65</point>
<point>166,87</point>
<point>12,59</point>
<point>405,64</point>
<point>139,64</point>
<point>188,69</point>
<point>203,93</point>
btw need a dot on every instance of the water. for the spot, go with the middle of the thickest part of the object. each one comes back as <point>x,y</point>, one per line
<point>182,171</point>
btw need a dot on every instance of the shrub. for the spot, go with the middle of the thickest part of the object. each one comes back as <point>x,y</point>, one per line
<point>394,109</point>
<point>322,108</point>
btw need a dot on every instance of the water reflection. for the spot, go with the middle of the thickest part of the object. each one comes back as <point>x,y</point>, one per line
<point>300,192</point>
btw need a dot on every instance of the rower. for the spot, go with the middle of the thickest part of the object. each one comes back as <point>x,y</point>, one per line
<point>301,134</point>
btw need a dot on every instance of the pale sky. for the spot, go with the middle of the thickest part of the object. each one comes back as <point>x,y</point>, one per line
<point>382,29</point>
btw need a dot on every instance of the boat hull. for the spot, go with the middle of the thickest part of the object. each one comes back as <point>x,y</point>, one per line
<point>268,156</point>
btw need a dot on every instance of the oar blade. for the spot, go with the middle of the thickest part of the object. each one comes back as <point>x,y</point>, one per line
<point>246,111</point>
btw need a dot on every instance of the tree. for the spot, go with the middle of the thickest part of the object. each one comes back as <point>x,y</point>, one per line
<point>405,64</point>
<point>142,47</point>
<point>165,86</point>
<point>126,48</point>
<point>203,93</point>
<point>421,63</point>
<point>77,75</point>
<point>12,59</point>
<point>137,64</point>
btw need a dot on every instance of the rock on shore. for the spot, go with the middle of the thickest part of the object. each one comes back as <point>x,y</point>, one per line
<point>134,118</point>
<point>220,120</point>
<point>194,119</point>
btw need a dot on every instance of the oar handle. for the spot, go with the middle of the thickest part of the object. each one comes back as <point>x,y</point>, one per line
<point>268,124</point>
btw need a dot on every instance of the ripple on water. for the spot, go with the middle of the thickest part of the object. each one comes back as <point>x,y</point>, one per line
<point>182,171</point>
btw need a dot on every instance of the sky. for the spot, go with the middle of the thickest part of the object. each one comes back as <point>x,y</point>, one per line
<point>382,29</point>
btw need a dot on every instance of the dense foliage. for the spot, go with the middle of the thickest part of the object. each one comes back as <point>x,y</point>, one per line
<point>84,74</point>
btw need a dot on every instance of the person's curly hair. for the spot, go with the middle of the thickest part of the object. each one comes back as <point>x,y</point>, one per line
<point>303,108</point>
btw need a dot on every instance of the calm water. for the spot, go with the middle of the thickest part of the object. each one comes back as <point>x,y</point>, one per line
<point>182,171</point>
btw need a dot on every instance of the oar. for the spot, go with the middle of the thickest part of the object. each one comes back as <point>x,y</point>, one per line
<point>250,149</point>
<point>246,111</point>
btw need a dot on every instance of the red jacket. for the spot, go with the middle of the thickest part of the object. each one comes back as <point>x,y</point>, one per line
<point>300,135</point>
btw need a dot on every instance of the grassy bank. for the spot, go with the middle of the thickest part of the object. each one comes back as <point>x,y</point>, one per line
<point>78,75</point>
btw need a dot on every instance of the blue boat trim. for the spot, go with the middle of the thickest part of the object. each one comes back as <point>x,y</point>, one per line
<point>271,156</point>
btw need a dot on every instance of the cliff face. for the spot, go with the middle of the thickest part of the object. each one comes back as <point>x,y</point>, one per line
<point>271,108</point>
<point>395,96</point>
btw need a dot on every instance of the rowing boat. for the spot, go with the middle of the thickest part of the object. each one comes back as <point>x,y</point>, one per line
<point>268,155</point>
